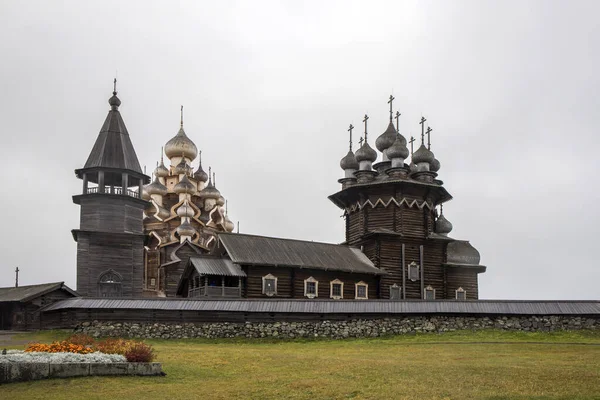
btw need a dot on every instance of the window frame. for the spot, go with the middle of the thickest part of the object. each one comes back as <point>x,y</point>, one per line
<point>270,277</point>
<point>311,280</point>
<point>413,265</point>
<point>430,290</point>
<point>460,290</point>
<point>336,282</point>
<point>361,284</point>
<point>395,286</point>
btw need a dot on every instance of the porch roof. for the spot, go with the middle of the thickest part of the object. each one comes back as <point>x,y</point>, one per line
<point>216,266</point>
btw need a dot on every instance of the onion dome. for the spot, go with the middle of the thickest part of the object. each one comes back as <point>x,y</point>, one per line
<point>423,155</point>
<point>442,225</point>
<point>349,161</point>
<point>462,253</point>
<point>181,144</point>
<point>161,171</point>
<point>398,149</point>
<point>185,186</point>
<point>366,153</point>
<point>145,194</point>
<point>185,229</point>
<point>114,101</point>
<point>387,138</point>
<point>200,175</point>
<point>182,168</point>
<point>435,165</point>
<point>210,192</point>
<point>185,211</point>
<point>228,225</point>
<point>156,188</point>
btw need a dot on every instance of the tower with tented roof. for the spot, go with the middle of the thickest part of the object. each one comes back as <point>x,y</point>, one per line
<point>390,211</point>
<point>110,238</point>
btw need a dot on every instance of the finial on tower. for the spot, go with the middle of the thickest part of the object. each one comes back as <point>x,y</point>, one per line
<point>115,87</point>
<point>397,121</point>
<point>390,101</point>
<point>17,277</point>
<point>210,175</point>
<point>360,141</point>
<point>441,209</point>
<point>226,206</point>
<point>365,121</point>
<point>181,122</point>
<point>411,141</point>
<point>214,179</point>
<point>429,138</point>
<point>422,129</point>
<point>350,130</point>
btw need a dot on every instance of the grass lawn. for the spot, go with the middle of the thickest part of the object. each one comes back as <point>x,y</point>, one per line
<point>458,365</point>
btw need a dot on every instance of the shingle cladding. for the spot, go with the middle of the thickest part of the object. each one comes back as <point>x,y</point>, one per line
<point>216,266</point>
<point>268,251</point>
<point>24,293</point>
<point>386,307</point>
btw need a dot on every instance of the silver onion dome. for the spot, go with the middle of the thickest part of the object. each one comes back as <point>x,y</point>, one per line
<point>181,144</point>
<point>156,188</point>
<point>185,229</point>
<point>200,175</point>
<point>145,194</point>
<point>182,168</point>
<point>387,138</point>
<point>161,171</point>
<point>435,165</point>
<point>398,149</point>
<point>185,186</point>
<point>461,252</point>
<point>366,153</point>
<point>443,226</point>
<point>423,155</point>
<point>349,161</point>
<point>185,211</point>
<point>210,192</point>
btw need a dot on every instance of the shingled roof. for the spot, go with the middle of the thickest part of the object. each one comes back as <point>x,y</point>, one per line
<point>113,147</point>
<point>25,293</point>
<point>277,252</point>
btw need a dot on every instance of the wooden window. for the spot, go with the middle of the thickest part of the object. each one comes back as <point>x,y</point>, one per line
<point>413,271</point>
<point>429,293</point>
<point>336,289</point>
<point>269,285</point>
<point>109,284</point>
<point>361,290</point>
<point>152,282</point>
<point>395,292</point>
<point>311,288</point>
<point>461,294</point>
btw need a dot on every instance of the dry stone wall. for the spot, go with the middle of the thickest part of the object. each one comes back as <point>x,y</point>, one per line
<point>356,328</point>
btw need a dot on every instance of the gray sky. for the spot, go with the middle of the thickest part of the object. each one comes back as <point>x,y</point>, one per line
<point>269,88</point>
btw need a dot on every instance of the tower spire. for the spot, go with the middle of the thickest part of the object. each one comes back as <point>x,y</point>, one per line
<point>390,101</point>
<point>422,129</point>
<point>350,130</point>
<point>365,121</point>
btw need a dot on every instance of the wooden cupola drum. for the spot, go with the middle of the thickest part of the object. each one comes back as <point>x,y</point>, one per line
<point>110,239</point>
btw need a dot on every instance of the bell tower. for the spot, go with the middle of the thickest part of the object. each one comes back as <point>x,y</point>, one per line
<point>110,238</point>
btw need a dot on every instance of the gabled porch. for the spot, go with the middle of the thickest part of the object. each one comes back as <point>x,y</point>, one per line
<point>211,277</point>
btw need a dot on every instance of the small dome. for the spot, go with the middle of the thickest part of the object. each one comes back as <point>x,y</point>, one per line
<point>114,101</point>
<point>185,186</point>
<point>181,144</point>
<point>463,253</point>
<point>185,229</point>
<point>185,211</point>
<point>366,153</point>
<point>200,175</point>
<point>156,188</point>
<point>398,149</point>
<point>163,213</point>
<point>229,225</point>
<point>387,138</point>
<point>422,155</point>
<point>349,161</point>
<point>161,171</point>
<point>443,226</point>
<point>210,192</point>
<point>145,194</point>
<point>182,168</point>
<point>435,165</point>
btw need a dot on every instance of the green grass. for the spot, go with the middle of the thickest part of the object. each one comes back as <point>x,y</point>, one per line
<point>457,365</point>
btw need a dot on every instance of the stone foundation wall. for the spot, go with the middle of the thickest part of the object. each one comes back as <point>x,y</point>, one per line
<point>356,328</point>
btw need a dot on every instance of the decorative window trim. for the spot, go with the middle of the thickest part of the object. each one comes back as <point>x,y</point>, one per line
<point>413,265</point>
<point>110,284</point>
<point>395,286</point>
<point>463,293</point>
<point>431,290</point>
<point>361,284</point>
<point>311,295</point>
<point>336,282</point>
<point>264,278</point>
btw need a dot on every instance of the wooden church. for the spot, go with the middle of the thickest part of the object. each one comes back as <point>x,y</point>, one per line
<point>172,236</point>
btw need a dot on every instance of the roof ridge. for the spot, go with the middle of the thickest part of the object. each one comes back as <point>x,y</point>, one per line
<point>289,239</point>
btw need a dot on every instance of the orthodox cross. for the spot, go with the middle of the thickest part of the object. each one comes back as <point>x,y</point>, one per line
<point>390,101</point>
<point>411,141</point>
<point>360,141</point>
<point>181,122</point>
<point>115,87</point>
<point>17,277</point>
<point>350,130</point>
<point>209,175</point>
<point>422,129</point>
<point>365,121</point>
<point>429,137</point>
<point>397,118</point>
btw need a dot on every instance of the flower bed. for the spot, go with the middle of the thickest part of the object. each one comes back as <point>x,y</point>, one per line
<point>19,356</point>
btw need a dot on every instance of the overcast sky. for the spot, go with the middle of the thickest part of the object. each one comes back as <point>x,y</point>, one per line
<point>511,89</point>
